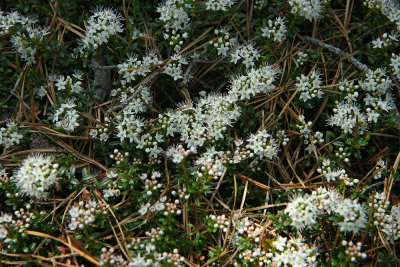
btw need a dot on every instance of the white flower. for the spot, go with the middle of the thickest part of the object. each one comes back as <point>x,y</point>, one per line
<point>294,252</point>
<point>107,193</point>
<point>175,67</point>
<point>104,23</point>
<point>348,116</point>
<point>303,212</point>
<point>133,67</point>
<point>263,145</point>
<point>66,116</point>
<point>3,232</point>
<point>309,87</point>
<point>36,175</point>
<point>395,64</point>
<point>248,53</point>
<point>276,29</point>
<point>143,209</point>
<point>310,9</point>
<point>177,153</point>
<point>216,5</point>
<point>280,243</point>
<point>387,40</point>
<point>26,48</point>
<point>10,135</point>
<point>256,81</point>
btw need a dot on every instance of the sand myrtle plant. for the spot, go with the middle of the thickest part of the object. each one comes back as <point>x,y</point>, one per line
<point>199,133</point>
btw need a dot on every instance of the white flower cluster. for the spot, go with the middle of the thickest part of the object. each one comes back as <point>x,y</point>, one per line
<point>348,116</point>
<point>263,145</point>
<point>19,221</point>
<point>293,252</point>
<point>10,19</point>
<point>10,135</point>
<point>309,87</point>
<point>104,23</point>
<point>211,163</point>
<point>349,89</point>
<point>315,138</point>
<point>108,259</point>
<point>133,67</point>
<point>353,251</point>
<point>304,127</point>
<point>129,127</point>
<point>152,185</point>
<point>282,137</point>
<point>150,144</point>
<point>172,13</point>
<point>5,219</point>
<point>69,84</point>
<point>171,209</point>
<point>384,218</point>
<point>176,21</point>
<point>66,116</point>
<point>84,213</point>
<point>159,205</point>
<point>178,153</point>
<point>219,4</point>
<point>136,105</point>
<point>219,222</point>
<point>392,224</point>
<point>327,171</point>
<point>276,29</point>
<point>395,65</point>
<point>379,168</point>
<point>310,139</point>
<point>256,81</point>
<point>148,249</point>
<point>223,42</point>
<point>387,40</point>
<point>26,45</point>
<point>182,194</point>
<point>208,120</point>
<point>309,9</point>
<point>378,95</point>
<point>36,175</point>
<point>244,228</point>
<point>112,190</point>
<point>388,8</point>
<point>259,4</point>
<point>100,131</point>
<point>304,211</point>
<point>118,156</point>
<point>300,58</point>
<point>4,179</point>
<point>380,208</point>
<point>175,67</point>
<point>248,54</point>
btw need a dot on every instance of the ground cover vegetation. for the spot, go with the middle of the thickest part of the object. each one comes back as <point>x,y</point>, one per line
<point>199,133</point>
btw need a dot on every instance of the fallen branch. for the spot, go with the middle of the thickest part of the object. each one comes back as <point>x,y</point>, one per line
<point>339,52</point>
